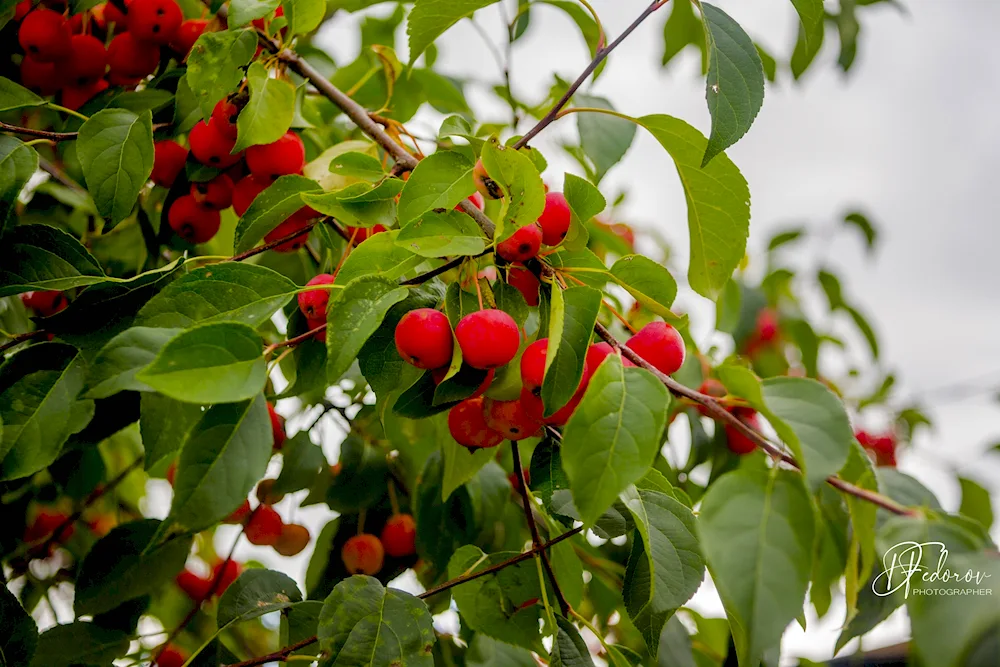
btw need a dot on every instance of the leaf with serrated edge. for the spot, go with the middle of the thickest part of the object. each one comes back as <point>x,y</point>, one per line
<point>440,180</point>
<point>214,65</point>
<point>570,331</point>
<point>255,593</point>
<point>268,114</point>
<point>353,315</point>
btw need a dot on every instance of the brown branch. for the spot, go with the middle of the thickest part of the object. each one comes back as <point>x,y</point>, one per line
<point>292,342</point>
<point>447,266</point>
<point>598,58</point>
<point>20,338</point>
<point>42,134</point>
<point>273,244</point>
<point>280,655</point>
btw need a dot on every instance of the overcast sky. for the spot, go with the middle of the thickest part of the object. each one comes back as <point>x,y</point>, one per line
<point>910,137</point>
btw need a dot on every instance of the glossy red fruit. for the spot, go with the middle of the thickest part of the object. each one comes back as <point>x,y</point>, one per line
<point>224,117</point>
<point>44,303</point>
<point>264,526</point>
<point>767,325</point>
<point>168,160</point>
<point>525,282</point>
<point>533,365</point>
<point>438,376</point>
<point>711,387</point>
<point>523,245</point>
<point>277,427</point>
<point>131,59</point>
<point>111,15</point>
<point>363,554</point>
<point>171,656</point>
<point>42,78</point>
<point>475,198</point>
<point>155,21</point>
<point>21,9</point>
<point>240,514</point>
<point>266,493</point>
<point>215,194</point>
<point>882,447</point>
<point>193,222</point>
<point>423,338</point>
<point>660,344</point>
<point>467,424</point>
<point>535,409</point>
<point>74,97</point>
<point>187,34</point>
<point>45,523</point>
<point>510,419</point>
<point>226,571</point>
<point>486,186</point>
<point>316,324</point>
<point>211,147</point>
<point>245,191</point>
<point>297,222</point>
<point>555,219</point>
<point>293,540</point>
<point>596,354</point>
<point>45,35</point>
<point>287,155</point>
<point>488,338</point>
<point>361,234</point>
<point>195,587</point>
<point>737,442</point>
<point>313,303</point>
<point>87,61</point>
<point>399,536</point>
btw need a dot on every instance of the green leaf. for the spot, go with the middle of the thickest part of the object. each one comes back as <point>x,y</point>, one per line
<point>268,114</point>
<point>976,502</point>
<point>115,148</point>
<point>15,96</point>
<point>490,604</point>
<point>360,165</point>
<point>859,471</point>
<point>301,464</point>
<point>359,612</point>
<point>441,234</point>
<point>79,643</point>
<point>605,139</point>
<point>517,176</point>
<point>431,18</point>
<point>546,470</point>
<point>18,631</point>
<point>220,362</point>
<point>718,204</point>
<point>571,325</point>
<point>165,424</point>
<point>865,226</point>
<point>303,16</point>
<point>613,436</point>
<point>865,328</point>
<point>756,529</point>
<point>487,652</point>
<point>460,465</point>
<point>17,164</point>
<point>255,593</point>
<point>665,567</point>
<point>810,34</point>
<point>353,316</point>
<point>220,462</point>
<point>735,87</point>
<point>38,406</point>
<point>118,567</point>
<point>39,257</point>
<point>649,283</point>
<point>378,254</point>
<point>230,291</point>
<point>568,648</point>
<point>769,64</point>
<point>585,201</point>
<point>214,66</point>
<point>359,204</point>
<point>116,365</point>
<point>440,180</point>
<point>272,207</point>
<point>242,12</point>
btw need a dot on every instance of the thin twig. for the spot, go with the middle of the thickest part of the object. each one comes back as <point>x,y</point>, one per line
<point>280,655</point>
<point>447,266</point>
<point>31,132</point>
<point>20,338</point>
<point>273,244</point>
<point>291,342</point>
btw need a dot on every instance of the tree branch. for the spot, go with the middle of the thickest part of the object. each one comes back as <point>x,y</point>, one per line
<point>43,134</point>
<point>447,266</point>
<point>536,541</point>
<point>20,338</point>
<point>280,655</point>
<point>273,244</point>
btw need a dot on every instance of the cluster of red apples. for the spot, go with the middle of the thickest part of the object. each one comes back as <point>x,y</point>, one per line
<point>365,553</point>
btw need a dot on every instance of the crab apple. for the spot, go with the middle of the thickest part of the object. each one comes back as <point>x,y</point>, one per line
<point>266,493</point>
<point>21,9</point>
<point>438,375</point>
<point>596,354</point>
<point>215,194</point>
<point>130,59</point>
<point>111,15</point>
<point>488,338</point>
<point>660,344</point>
<point>399,536</point>
<point>226,571</point>
<point>44,303</point>
<point>168,160</point>
<point>535,409</point>
<point>293,539</point>
<point>363,554</point>
<point>510,419</point>
<point>195,587</point>
<point>42,78</point>
<point>46,522</point>
<point>486,186</point>
<point>211,147</point>
<point>715,389</point>
<point>154,21</point>
<point>240,514</point>
<point>525,282</point>
<point>264,526</point>
<point>277,427</point>
<point>171,656</point>
<point>316,324</point>
<point>187,34</point>
<point>736,440</point>
<point>423,338</point>
<point>245,191</point>
<point>296,222</point>
<point>467,424</point>
<point>555,219</point>
<point>515,481</point>
<point>313,303</point>
<point>361,234</point>
<point>224,117</point>
<point>883,447</point>
<point>287,155</point>
<point>74,97</point>
<point>193,222</point>
<point>767,325</point>
<point>533,365</point>
<point>87,60</point>
<point>522,245</point>
<point>45,35</point>
<point>475,197</point>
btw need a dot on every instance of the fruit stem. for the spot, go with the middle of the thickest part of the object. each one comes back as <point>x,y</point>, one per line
<point>479,290</point>
<point>618,316</point>
<point>361,520</point>
<point>393,500</point>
